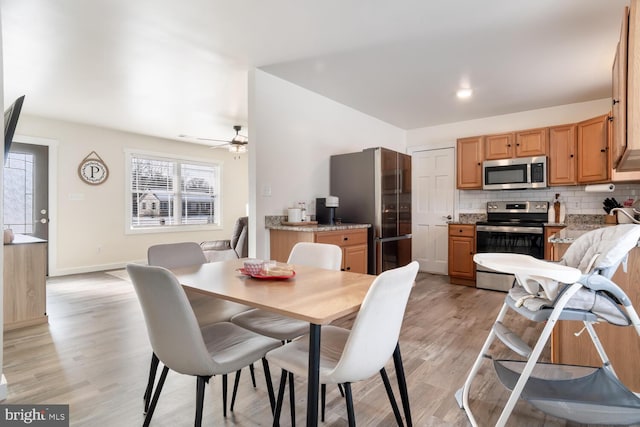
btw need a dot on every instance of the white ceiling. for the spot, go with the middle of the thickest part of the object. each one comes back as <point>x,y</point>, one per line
<point>166,67</point>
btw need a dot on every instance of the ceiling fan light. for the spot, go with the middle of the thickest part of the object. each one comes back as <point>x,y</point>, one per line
<point>237,148</point>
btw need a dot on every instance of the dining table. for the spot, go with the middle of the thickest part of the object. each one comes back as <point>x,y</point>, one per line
<point>315,295</point>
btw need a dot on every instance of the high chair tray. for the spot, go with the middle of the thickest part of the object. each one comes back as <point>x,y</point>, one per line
<point>526,265</point>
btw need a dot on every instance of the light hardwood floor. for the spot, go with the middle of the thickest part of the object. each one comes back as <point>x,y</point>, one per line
<point>94,355</point>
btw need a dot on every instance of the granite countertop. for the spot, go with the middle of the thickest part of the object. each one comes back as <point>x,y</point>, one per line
<point>572,232</point>
<point>317,227</point>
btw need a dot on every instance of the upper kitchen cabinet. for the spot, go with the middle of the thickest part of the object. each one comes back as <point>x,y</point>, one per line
<point>628,144</point>
<point>499,146</point>
<point>563,141</point>
<point>531,143</point>
<point>633,176</point>
<point>469,157</point>
<point>619,95</point>
<point>593,153</point>
<point>526,143</point>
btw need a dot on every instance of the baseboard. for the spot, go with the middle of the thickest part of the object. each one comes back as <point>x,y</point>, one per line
<point>93,268</point>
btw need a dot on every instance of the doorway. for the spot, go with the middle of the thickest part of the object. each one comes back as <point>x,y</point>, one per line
<point>44,166</point>
<point>26,195</point>
<point>433,206</point>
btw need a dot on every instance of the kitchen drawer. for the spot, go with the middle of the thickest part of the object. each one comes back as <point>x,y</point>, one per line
<point>343,237</point>
<point>465,230</point>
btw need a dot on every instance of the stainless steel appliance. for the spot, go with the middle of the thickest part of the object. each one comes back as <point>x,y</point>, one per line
<point>511,227</point>
<point>374,187</point>
<point>512,174</point>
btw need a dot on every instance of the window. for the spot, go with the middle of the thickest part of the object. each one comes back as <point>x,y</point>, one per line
<point>18,193</point>
<point>169,193</point>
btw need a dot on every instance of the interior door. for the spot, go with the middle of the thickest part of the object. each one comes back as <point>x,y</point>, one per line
<point>433,202</point>
<point>26,184</point>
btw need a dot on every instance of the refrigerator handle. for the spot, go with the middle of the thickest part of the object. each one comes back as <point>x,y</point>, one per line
<point>393,239</point>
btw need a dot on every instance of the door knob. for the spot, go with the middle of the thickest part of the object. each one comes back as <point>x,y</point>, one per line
<point>448,217</point>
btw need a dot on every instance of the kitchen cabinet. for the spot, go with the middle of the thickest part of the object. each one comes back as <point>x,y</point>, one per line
<point>462,247</point>
<point>499,146</point>
<point>549,247</point>
<point>563,146</point>
<point>618,342</point>
<point>619,94</point>
<point>593,153</point>
<point>25,295</point>
<point>628,142</point>
<point>632,176</point>
<point>469,158</point>
<point>353,243</point>
<point>525,143</point>
<point>532,142</point>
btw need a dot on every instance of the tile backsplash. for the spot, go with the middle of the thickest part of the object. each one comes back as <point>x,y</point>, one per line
<point>576,199</point>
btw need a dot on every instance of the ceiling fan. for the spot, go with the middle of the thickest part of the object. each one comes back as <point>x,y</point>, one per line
<point>237,144</point>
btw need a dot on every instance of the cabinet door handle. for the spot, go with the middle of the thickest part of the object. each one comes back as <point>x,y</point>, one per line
<point>615,101</point>
<point>571,156</point>
<point>345,238</point>
<point>603,150</point>
<point>348,268</point>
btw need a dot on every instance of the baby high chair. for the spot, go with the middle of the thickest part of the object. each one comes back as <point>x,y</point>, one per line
<point>576,288</point>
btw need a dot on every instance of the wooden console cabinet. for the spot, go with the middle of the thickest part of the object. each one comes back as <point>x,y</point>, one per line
<point>25,269</point>
<point>352,241</point>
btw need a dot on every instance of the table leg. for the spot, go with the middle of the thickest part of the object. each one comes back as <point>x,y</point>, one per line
<point>314,375</point>
<point>402,385</point>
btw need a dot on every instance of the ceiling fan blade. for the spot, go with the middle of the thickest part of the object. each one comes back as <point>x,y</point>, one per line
<point>212,139</point>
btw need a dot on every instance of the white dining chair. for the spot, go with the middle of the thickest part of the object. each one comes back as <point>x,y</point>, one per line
<point>350,356</point>
<point>207,309</point>
<point>182,345</point>
<point>285,329</point>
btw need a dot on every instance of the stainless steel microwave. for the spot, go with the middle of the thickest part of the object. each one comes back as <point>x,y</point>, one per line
<point>513,174</point>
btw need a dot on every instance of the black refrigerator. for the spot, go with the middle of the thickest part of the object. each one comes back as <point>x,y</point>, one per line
<point>374,187</point>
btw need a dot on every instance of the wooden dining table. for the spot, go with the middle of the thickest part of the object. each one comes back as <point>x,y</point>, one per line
<point>314,295</point>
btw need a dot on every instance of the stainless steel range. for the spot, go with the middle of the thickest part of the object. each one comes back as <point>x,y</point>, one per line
<point>511,227</point>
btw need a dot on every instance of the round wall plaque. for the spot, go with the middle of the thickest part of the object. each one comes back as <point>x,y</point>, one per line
<point>93,170</point>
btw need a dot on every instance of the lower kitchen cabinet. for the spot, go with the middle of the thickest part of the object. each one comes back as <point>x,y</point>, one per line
<point>353,243</point>
<point>569,346</point>
<point>462,247</point>
<point>549,248</point>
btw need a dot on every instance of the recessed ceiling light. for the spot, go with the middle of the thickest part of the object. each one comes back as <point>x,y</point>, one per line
<point>464,93</point>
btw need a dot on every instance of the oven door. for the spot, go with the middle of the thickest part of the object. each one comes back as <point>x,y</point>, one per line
<point>505,239</point>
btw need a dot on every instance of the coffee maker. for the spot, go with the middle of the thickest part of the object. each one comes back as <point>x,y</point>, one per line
<point>326,210</point>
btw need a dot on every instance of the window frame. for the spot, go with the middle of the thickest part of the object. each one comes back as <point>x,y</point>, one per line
<point>175,159</point>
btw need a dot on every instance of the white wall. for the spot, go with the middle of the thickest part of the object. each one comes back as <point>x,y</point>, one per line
<point>293,133</point>
<point>97,220</point>
<point>445,135</point>
<point>578,202</point>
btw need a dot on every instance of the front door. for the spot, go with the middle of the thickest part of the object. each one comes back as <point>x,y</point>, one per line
<point>26,184</point>
<point>433,199</point>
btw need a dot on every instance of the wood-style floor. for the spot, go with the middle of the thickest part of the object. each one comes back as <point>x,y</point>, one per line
<point>94,355</point>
